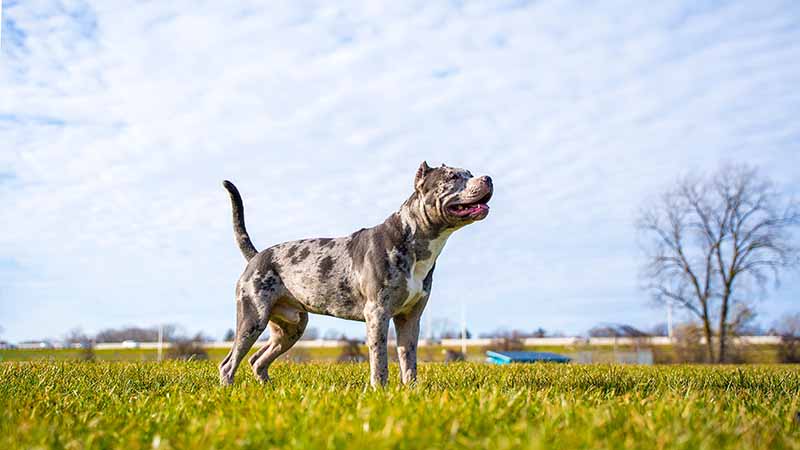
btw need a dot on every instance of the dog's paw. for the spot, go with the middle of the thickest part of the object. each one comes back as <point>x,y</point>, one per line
<point>225,378</point>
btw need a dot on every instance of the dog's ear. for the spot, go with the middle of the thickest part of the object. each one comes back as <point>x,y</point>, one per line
<point>421,172</point>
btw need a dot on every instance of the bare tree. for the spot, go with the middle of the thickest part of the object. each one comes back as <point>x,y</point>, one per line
<point>710,241</point>
<point>76,336</point>
<point>788,325</point>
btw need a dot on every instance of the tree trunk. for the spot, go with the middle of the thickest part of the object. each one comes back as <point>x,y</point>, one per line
<point>708,335</point>
<point>709,341</point>
<point>723,327</point>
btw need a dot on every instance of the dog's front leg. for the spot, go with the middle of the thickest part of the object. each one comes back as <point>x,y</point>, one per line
<point>407,326</point>
<point>407,337</point>
<point>377,319</point>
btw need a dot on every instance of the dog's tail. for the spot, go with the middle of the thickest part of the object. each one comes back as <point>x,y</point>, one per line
<point>239,231</point>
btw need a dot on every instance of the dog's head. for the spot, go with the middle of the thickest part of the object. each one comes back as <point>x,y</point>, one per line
<point>451,197</point>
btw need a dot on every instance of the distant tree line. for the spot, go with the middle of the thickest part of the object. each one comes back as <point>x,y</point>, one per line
<point>617,330</point>
<point>506,333</point>
<point>171,333</point>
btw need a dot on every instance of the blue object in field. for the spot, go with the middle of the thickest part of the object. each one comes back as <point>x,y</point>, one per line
<point>524,357</point>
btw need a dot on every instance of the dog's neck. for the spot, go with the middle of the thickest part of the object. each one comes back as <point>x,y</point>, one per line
<point>413,229</point>
<point>415,216</point>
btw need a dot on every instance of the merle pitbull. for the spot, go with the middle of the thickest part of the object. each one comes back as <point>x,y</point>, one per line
<point>374,275</point>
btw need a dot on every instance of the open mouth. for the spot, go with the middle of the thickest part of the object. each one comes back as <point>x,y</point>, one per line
<point>471,209</point>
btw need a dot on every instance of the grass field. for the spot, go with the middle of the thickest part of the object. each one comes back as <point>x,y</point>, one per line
<point>756,354</point>
<point>180,405</point>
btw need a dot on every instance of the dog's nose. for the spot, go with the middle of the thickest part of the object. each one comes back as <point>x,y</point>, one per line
<point>488,180</point>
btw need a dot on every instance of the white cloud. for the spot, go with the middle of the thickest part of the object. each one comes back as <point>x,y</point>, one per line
<point>118,122</point>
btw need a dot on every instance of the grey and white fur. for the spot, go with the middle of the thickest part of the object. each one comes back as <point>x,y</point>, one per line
<point>374,275</point>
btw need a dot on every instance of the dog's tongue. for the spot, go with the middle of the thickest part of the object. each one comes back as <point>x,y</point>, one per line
<point>479,208</point>
<point>475,209</point>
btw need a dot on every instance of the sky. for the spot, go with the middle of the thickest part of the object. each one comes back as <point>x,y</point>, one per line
<point>118,121</point>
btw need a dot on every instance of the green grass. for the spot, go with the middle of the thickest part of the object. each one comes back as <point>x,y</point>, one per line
<point>136,405</point>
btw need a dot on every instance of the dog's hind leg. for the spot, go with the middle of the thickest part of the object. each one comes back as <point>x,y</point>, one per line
<point>283,334</point>
<point>377,334</point>
<point>252,316</point>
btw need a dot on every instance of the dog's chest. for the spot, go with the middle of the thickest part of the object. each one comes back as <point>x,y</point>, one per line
<point>415,281</point>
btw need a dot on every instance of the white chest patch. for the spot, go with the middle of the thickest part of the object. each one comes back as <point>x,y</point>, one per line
<point>420,270</point>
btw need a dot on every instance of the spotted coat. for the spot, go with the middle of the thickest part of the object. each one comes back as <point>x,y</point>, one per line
<point>373,275</point>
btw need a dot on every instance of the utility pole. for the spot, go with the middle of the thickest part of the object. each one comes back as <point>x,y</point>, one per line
<point>463,330</point>
<point>160,341</point>
<point>669,320</point>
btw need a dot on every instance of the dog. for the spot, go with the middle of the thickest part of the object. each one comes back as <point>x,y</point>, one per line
<point>374,275</point>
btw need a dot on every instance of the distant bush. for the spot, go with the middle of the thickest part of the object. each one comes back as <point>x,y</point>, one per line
<point>351,352</point>
<point>508,343</point>
<point>87,352</point>
<point>453,356</point>
<point>688,344</point>
<point>789,350</point>
<point>187,350</point>
<point>789,330</point>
